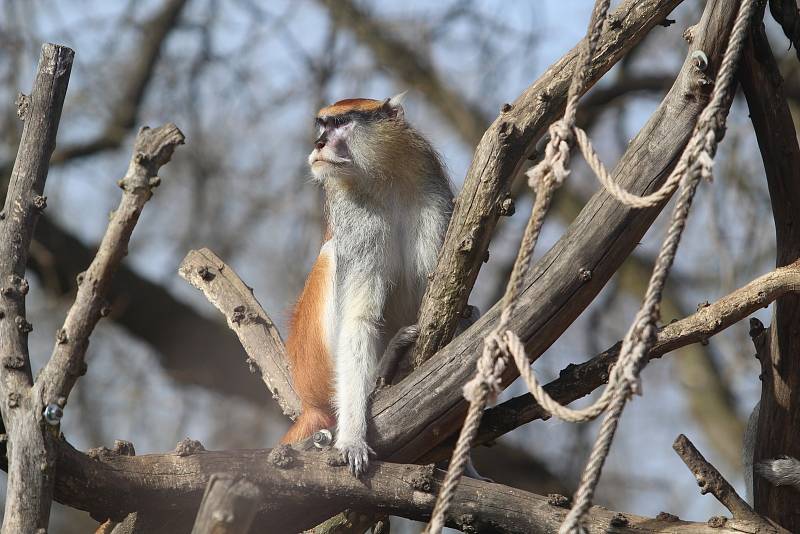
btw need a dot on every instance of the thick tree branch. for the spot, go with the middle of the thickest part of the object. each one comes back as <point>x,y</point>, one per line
<point>779,416</point>
<point>568,277</point>
<point>256,331</point>
<point>578,380</point>
<point>498,159</point>
<point>300,481</point>
<point>29,490</point>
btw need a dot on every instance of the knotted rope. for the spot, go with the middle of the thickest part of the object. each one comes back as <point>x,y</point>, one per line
<point>695,164</point>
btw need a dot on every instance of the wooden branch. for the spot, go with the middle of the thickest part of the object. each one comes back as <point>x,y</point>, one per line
<point>228,506</point>
<point>29,490</point>
<point>779,416</point>
<point>568,277</point>
<point>260,338</point>
<point>499,158</point>
<point>301,481</point>
<point>153,148</point>
<point>711,481</point>
<point>578,380</point>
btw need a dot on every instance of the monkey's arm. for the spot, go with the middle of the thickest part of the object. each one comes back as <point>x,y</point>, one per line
<point>361,302</point>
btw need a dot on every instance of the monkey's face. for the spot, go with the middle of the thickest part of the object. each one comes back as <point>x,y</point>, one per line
<point>354,137</point>
<point>331,152</point>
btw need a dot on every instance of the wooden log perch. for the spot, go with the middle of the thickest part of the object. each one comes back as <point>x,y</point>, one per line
<point>711,481</point>
<point>260,338</point>
<point>500,156</point>
<point>228,506</point>
<point>299,482</point>
<point>29,489</point>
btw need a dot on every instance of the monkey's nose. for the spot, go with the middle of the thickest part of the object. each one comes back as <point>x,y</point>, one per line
<point>319,144</point>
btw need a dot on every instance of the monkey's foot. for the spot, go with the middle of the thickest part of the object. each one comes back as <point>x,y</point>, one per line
<point>355,454</point>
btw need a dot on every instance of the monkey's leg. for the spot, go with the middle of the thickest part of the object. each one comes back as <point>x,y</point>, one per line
<point>395,351</point>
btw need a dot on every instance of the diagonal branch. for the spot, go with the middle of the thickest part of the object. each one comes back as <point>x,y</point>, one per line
<point>138,75</point>
<point>576,381</point>
<point>499,158</point>
<point>29,492</point>
<point>569,276</point>
<point>256,331</point>
<point>711,481</point>
<point>153,149</point>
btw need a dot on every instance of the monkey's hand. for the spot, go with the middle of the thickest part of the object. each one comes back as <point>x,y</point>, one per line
<point>355,454</point>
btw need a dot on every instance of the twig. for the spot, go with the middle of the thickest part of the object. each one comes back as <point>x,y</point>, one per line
<point>153,148</point>
<point>29,489</point>
<point>711,481</point>
<point>228,506</point>
<point>260,338</point>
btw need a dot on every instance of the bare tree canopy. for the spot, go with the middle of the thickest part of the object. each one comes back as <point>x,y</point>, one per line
<point>585,141</point>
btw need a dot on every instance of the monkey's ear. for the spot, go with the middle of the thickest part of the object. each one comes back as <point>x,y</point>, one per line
<point>394,105</point>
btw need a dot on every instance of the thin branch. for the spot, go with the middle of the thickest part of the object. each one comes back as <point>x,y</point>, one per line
<point>260,338</point>
<point>153,149</point>
<point>29,490</point>
<point>711,481</point>
<point>228,506</point>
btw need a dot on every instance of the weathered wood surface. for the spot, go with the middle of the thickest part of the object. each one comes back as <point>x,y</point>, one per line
<point>29,489</point>
<point>780,403</point>
<point>245,316</point>
<point>302,481</point>
<point>425,408</point>
<point>228,506</point>
<point>499,158</point>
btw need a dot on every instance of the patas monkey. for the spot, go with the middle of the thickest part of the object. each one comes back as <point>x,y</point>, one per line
<point>388,202</point>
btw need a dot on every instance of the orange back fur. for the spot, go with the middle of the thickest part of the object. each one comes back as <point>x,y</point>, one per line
<point>308,354</point>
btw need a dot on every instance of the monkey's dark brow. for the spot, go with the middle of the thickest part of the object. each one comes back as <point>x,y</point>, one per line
<point>346,117</point>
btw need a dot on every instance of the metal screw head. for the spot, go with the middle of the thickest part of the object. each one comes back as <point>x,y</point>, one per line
<point>53,414</point>
<point>322,438</point>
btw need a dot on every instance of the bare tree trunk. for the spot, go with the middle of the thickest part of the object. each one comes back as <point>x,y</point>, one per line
<point>779,417</point>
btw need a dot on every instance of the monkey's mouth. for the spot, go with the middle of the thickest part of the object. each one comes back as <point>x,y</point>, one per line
<point>325,161</point>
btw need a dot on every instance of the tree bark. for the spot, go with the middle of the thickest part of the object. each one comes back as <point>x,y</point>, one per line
<point>779,416</point>
<point>228,506</point>
<point>30,477</point>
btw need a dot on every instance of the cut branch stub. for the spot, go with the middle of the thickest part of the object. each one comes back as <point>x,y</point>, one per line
<point>260,338</point>
<point>229,505</point>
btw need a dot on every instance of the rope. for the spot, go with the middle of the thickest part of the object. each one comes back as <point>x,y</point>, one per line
<point>695,164</point>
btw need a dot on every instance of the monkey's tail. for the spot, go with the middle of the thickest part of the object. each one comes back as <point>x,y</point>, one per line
<point>311,420</point>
